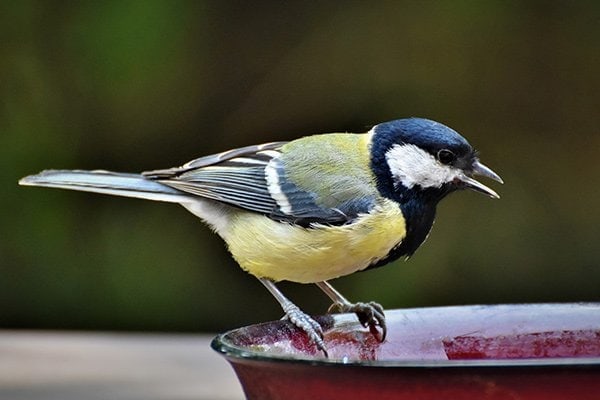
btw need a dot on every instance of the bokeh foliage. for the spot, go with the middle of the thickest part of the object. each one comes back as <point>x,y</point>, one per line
<point>137,85</point>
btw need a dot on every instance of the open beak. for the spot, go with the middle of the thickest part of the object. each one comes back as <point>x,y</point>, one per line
<point>482,170</point>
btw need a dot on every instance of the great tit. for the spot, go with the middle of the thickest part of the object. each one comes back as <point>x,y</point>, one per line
<point>315,208</point>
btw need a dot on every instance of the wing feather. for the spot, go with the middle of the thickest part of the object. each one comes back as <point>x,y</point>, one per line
<point>235,177</point>
<point>254,178</point>
<point>256,153</point>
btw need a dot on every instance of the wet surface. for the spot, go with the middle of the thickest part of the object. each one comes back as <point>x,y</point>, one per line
<point>554,344</point>
<point>537,351</point>
<point>446,333</point>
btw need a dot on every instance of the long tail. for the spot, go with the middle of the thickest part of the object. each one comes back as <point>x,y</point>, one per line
<point>118,184</point>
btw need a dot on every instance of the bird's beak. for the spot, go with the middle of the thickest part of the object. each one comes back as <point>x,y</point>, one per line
<point>480,169</point>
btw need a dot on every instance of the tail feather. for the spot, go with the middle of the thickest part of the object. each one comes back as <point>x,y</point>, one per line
<point>113,183</point>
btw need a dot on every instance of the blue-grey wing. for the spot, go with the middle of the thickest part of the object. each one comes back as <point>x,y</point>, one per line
<point>253,178</point>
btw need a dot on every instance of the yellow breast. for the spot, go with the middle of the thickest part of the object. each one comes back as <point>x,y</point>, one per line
<point>281,251</point>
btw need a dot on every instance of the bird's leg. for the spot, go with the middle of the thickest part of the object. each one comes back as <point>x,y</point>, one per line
<point>369,314</point>
<point>297,316</point>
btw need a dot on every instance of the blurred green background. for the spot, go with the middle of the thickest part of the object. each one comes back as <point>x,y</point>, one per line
<point>138,85</point>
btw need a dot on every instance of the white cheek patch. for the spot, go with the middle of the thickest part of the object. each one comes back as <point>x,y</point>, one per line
<point>413,166</point>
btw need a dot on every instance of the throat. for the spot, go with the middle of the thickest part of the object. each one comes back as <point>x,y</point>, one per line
<point>419,216</point>
<point>419,220</point>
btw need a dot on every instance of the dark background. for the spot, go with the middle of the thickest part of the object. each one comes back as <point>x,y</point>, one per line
<point>138,85</point>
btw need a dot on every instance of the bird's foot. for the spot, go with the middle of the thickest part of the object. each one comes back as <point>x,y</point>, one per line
<point>369,314</point>
<point>312,328</point>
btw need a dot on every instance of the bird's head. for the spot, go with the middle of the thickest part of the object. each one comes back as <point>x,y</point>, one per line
<point>417,157</point>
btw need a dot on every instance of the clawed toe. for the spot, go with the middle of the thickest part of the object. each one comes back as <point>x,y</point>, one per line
<point>369,314</point>
<point>313,330</point>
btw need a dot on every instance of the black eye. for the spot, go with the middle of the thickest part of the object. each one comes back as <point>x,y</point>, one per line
<point>446,156</point>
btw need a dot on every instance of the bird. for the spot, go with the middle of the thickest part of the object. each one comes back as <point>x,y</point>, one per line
<point>314,208</point>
